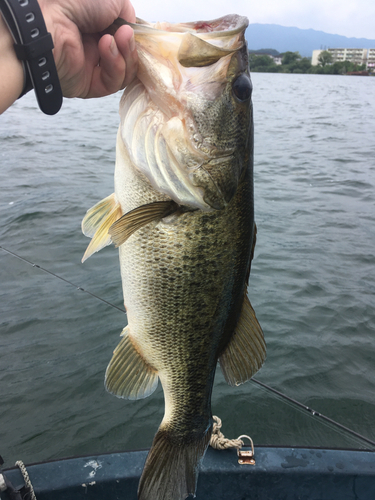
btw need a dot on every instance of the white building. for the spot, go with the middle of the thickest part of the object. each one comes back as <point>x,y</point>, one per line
<point>371,59</point>
<point>277,60</point>
<point>356,56</point>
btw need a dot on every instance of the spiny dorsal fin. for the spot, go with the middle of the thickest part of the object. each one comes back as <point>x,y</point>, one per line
<point>246,351</point>
<point>254,243</point>
<point>96,223</point>
<point>252,254</point>
<point>121,230</point>
<point>128,375</point>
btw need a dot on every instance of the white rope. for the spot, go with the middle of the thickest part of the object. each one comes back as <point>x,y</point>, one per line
<point>26,478</point>
<point>3,484</point>
<point>219,441</point>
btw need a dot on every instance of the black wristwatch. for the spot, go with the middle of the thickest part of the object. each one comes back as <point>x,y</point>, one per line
<point>33,46</point>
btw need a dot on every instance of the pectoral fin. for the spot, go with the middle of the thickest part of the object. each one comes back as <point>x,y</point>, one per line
<point>96,223</point>
<point>121,230</point>
<point>246,350</point>
<point>128,375</point>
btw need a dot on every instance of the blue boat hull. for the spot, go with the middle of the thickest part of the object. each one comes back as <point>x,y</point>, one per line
<point>279,474</point>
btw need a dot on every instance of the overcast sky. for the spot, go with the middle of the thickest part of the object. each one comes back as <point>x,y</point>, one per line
<point>351,18</point>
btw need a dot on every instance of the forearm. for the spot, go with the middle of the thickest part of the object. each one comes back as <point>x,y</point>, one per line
<point>11,69</point>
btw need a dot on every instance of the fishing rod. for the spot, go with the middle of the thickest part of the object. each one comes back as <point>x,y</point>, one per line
<point>314,413</point>
<point>60,278</point>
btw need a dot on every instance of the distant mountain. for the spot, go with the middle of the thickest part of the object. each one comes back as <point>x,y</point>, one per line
<point>283,39</point>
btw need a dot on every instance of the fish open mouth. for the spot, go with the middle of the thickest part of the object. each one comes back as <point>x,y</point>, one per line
<point>229,25</point>
<point>200,43</point>
<point>182,72</point>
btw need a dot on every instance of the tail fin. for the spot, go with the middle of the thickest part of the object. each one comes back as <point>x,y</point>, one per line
<point>171,468</point>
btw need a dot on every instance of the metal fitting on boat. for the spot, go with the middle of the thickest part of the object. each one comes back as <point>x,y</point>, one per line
<point>246,456</point>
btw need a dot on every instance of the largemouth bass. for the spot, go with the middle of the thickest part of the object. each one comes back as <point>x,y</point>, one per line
<point>182,215</point>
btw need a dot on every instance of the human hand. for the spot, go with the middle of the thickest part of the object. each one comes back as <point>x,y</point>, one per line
<point>88,63</point>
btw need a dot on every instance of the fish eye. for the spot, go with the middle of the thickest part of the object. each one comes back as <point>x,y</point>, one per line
<point>242,87</point>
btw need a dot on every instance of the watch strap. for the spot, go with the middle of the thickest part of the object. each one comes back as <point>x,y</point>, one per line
<point>33,46</point>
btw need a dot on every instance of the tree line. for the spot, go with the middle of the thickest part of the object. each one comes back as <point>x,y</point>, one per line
<point>292,62</point>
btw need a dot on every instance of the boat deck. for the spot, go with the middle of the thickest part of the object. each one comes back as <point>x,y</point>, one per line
<point>279,474</point>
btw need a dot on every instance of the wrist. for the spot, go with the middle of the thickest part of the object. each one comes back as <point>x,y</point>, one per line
<point>12,73</point>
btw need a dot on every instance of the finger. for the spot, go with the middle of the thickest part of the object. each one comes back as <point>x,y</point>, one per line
<point>76,70</point>
<point>128,12</point>
<point>109,76</point>
<point>124,38</point>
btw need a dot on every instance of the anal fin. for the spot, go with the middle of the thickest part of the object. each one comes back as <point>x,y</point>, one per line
<point>246,351</point>
<point>128,375</point>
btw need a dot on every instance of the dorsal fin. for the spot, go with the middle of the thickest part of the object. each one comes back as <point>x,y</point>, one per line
<point>246,351</point>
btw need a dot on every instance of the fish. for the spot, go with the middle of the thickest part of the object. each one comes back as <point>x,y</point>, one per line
<point>182,216</point>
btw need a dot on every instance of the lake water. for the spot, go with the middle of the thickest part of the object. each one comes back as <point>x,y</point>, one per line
<point>312,283</point>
